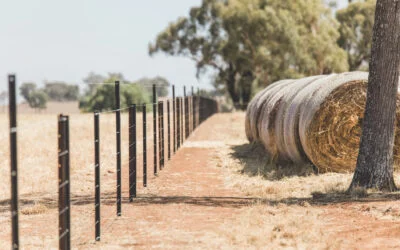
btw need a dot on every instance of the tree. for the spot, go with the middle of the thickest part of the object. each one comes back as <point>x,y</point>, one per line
<point>162,85</point>
<point>38,99</point>
<point>26,89</point>
<point>92,80</point>
<point>375,159</point>
<point>3,99</point>
<point>255,42</point>
<point>356,22</point>
<point>103,97</point>
<point>61,91</point>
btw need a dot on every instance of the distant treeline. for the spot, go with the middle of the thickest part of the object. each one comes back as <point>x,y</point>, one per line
<point>98,93</point>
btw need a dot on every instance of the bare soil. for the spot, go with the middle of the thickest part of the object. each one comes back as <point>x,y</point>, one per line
<point>217,192</point>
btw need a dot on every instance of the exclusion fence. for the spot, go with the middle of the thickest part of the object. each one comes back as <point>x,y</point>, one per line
<point>188,112</point>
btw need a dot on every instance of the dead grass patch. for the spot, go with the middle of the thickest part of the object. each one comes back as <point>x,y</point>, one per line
<point>281,226</point>
<point>37,208</point>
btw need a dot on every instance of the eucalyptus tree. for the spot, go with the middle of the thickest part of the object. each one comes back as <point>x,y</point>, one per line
<point>251,43</point>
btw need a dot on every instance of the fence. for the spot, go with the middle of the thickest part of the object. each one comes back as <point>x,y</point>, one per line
<point>167,136</point>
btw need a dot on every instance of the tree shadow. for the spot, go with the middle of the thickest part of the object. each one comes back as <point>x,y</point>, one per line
<point>109,199</point>
<point>256,161</point>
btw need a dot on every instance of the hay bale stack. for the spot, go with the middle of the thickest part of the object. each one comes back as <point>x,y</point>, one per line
<point>315,119</point>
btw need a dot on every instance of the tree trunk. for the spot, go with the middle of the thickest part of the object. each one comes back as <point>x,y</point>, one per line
<point>375,159</point>
<point>230,85</point>
<point>246,84</point>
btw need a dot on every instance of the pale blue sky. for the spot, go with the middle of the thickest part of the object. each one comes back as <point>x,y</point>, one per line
<point>64,40</point>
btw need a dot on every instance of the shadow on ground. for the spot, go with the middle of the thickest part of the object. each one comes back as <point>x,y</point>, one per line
<point>256,161</point>
<point>318,199</point>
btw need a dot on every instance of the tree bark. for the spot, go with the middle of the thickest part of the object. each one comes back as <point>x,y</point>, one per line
<point>375,159</point>
<point>230,85</point>
<point>246,85</point>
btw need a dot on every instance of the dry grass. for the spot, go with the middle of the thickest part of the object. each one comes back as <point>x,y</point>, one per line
<point>288,209</point>
<point>35,209</point>
<point>37,153</point>
<point>256,176</point>
<point>291,212</point>
<point>276,227</point>
<point>38,173</point>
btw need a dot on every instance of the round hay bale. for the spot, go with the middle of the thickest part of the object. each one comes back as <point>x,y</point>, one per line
<point>259,105</point>
<point>249,115</point>
<point>282,112</point>
<point>266,122</point>
<point>330,122</point>
<point>291,119</point>
<point>254,108</point>
<point>256,105</point>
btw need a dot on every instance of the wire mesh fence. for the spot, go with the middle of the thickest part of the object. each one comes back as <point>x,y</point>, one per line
<point>100,167</point>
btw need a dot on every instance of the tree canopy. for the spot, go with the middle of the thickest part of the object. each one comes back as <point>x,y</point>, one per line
<point>36,98</point>
<point>356,22</point>
<point>161,83</point>
<point>251,43</point>
<point>61,91</point>
<point>102,95</point>
<point>26,89</point>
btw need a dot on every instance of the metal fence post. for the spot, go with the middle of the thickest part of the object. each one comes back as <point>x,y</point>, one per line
<point>13,159</point>
<point>182,120</point>
<point>155,128</point>
<point>132,152</point>
<point>173,119</point>
<point>192,100</point>
<point>159,136</point>
<point>169,130</point>
<point>162,136</point>
<point>118,137</point>
<point>144,146</point>
<point>194,112</point>
<point>64,206</point>
<point>97,174</point>
<point>186,117</point>
<point>178,125</point>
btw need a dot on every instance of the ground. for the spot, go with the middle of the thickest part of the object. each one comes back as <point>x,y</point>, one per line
<point>217,192</point>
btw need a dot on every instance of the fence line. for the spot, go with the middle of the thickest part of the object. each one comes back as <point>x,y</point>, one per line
<point>187,113</point>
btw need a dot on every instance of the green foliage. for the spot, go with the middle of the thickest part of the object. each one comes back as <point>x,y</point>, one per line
<point>38,99</point>
<point>252,43</point>
<point>161,83</point>
<point>26,89</point>
<point>92,80</point>
<point>101,96</point>
<point>60,91</point>
<point>104,97</point>
<point>356,23</point>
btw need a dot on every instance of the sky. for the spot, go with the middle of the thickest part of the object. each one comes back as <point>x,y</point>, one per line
<point>65,40</point>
